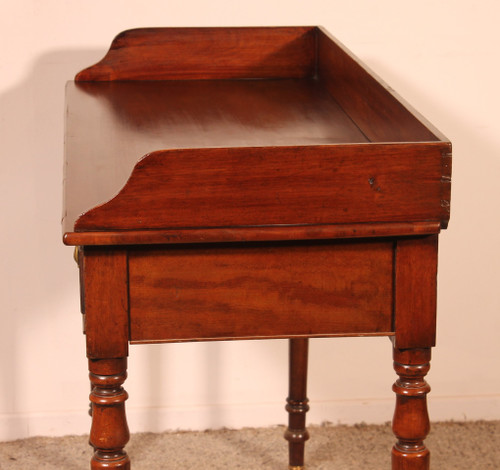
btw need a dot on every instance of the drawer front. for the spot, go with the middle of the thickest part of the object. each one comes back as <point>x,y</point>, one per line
<point>259,291</point>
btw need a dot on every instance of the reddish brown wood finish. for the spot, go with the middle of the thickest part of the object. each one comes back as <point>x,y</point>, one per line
<point>217,167</point>
<point>345,76</point>
<point>276,186</point>
<point>105,284</point>
<point>246,136</point>
<point>446,186</point>
<point>207,53</point>
<point>415,292</point>
<point>122,125</point>
<point>211,113</point>
<point>252,234</point>
<point>109,432</point>
<point>246,291</point>
<point>297,402</point>
<point>411,420</point>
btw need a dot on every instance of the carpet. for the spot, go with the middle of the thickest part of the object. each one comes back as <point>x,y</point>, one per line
<point>453,445</point>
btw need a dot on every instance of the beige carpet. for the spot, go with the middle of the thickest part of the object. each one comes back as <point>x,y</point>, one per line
<point>454,446</point>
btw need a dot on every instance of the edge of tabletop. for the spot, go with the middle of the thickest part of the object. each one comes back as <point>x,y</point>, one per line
<point>75,233</point>
<point>252,234</point>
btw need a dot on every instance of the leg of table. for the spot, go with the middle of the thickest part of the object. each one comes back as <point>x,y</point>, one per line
<point>297,407</point>
<point>411,420</point>
<point>109,432</point>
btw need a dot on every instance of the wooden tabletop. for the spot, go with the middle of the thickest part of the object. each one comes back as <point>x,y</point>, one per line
<point>314,142</point>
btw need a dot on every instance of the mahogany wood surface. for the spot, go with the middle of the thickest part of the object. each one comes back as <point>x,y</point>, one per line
<point>126,121</point>
<point>150,108</point>
<point>105,285</point>
<point>411,420</point>
<point>256,233</point>
<point>109,433</point>
<point>297,402</point>
<point>207,53</point>
<point>277,290</point>
<point>415,292</point>
<point>227,187</point>
<point>384,116</point>
<point>235,183</point>
<point>210,113</point>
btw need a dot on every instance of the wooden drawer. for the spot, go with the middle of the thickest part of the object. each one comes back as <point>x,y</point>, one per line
<point>261,290</point>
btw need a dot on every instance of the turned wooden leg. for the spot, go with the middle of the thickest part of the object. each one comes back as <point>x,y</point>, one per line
<point>109,432</point>
<point>411,420</point>
<point>297,407</point>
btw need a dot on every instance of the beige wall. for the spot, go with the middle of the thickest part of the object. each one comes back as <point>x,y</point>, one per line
<point>442,56</point>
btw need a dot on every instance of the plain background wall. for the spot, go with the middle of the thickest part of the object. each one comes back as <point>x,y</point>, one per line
<point>442,56</point>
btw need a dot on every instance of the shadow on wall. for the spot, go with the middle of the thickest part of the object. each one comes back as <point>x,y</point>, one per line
<point>36,270</point>
<point>38,277</point>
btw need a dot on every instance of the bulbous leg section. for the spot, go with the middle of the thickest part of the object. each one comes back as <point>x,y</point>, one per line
<point>297,402</point>
<point>411,423</point>
<point>109,433</point>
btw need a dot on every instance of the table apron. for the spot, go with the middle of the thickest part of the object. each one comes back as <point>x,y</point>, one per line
<point>261,291</point>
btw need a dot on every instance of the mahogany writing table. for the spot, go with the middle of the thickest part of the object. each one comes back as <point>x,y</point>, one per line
<point>237,183</point>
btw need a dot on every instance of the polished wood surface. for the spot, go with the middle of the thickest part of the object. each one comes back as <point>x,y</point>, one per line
<point>275,186</point>
<point>207,53</point>
<point>109,433</point>
<point>297,402</point>
<point>415,272</point>
<point>236,183</point>
<point>249,146</point>
<point>105,277</point>
<point>259,233</point>
<point>411,420</point>
<point>384,117</point>
<point>256,291</point>
<point>127,121</point>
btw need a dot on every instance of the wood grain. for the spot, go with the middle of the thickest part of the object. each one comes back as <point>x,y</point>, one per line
<point>297,402</point>
<point>205,53</point>
<point>125,121</point>
<point>415,292</point>
<point>106,302</point>
<point>251,183</point>
<point>380,113</point>
<point>257,291</point>
<point>236,152</point>
<point>109,433</point>
<point>411,422</point>
<point>252,234</point>
<point>280,185</point>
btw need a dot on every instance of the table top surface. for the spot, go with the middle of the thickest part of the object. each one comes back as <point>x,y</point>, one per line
<point>116,130</point>
<point>172,114</point>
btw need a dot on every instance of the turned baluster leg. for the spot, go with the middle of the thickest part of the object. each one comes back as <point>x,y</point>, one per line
<point>297,407</point>
<point>109,432</point>
<point>411,420</point>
